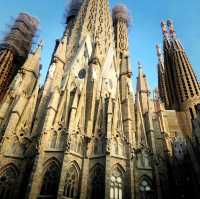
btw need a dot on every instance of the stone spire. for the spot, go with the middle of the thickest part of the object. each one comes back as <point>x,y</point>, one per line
<point>17,116</point>
<point>182,85</point>
<point>14,49</point>
<point>141,137</point>
<point>142,89</point>
<point>161,78</point>
<point>21,88</point>
<point>93,21</point>
<point>57,64</point>
<point>141,80</point>
<point>121,21</point>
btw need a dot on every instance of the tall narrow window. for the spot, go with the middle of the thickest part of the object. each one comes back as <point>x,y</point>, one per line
<point>146,191</point>
<point>97,182</point>
<point>7,183</point>
<point>50,182</point>
<point>71,183</point>
<point>116,186</point>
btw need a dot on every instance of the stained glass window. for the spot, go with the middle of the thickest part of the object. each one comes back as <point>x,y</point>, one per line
<point>116,186</point>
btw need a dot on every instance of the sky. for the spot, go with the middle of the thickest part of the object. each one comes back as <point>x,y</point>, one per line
<point>144,32</point>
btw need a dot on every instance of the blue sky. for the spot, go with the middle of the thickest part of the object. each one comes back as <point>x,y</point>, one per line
<point>144,33</point>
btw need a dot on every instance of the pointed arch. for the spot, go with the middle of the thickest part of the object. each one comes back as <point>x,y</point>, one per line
<point>117,182</point>
<point>146,188</point>
<point>50,161</point>
<point>119,167</point>
<point>8,180</point>
<point>71,187</point>
<point>97,182</point>
<point>50,180</point>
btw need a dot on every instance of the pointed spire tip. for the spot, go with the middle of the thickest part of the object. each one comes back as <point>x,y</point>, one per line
<point>170,25</point>
<point>41,43</point>
<point>163,26</point>
<point>139,65</point>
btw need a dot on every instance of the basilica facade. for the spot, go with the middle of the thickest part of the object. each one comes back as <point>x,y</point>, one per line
<point>86,133</point>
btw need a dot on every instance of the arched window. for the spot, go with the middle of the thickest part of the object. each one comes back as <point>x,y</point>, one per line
<point>7,183</point>
<point>116,185</point>
<point>97,182</point>
<point>50,182</point>
<point>145,188</point>
<point>71,183</point>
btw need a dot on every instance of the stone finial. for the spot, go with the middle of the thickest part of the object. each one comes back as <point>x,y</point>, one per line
<point>33,61</point>
<point>170,24</point>
<point>164,27</point>
<point>121,12</point>
<point>139,65</point>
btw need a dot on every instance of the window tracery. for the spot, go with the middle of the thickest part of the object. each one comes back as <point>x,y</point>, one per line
<point>145,188</point>
<point>50,182</point>
<point>117,185</point>
<point>71,183</point>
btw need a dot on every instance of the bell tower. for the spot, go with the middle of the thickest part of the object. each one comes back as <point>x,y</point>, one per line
<point>183,88</point>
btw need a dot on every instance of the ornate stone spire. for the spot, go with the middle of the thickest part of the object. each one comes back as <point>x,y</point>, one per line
<point>182,85</point>
<point>141,80</point>
<point>161,77</point>
<point>142,89</point>
<point>15,48</point>
<point>94,20</point>
<point>18,107</point>
<point>121,21</point>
